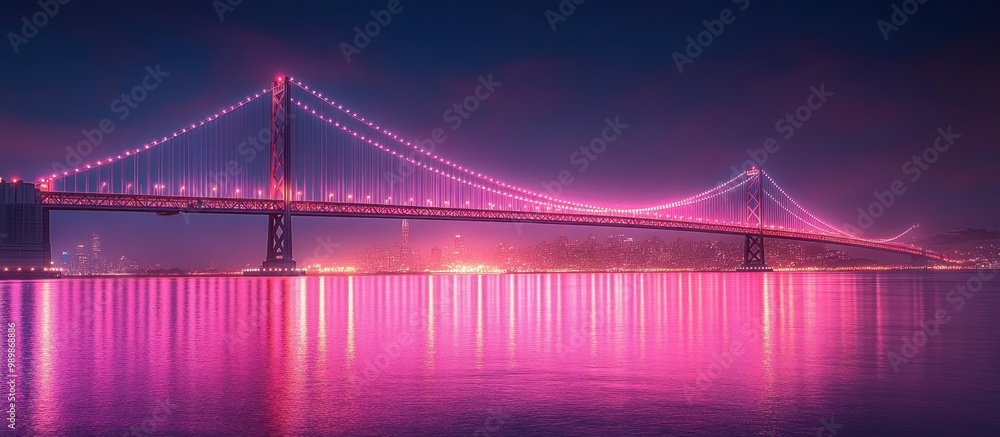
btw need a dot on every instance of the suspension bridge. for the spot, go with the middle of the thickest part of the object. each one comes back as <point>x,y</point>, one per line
<point>288,150</point>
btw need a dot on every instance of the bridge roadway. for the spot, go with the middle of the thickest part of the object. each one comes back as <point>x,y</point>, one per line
<point>176,205</point>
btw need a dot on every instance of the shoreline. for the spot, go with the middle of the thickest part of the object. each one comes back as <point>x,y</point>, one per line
<point>439,273</point>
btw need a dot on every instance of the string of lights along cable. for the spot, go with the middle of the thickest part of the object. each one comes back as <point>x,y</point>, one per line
<point>343,158</point>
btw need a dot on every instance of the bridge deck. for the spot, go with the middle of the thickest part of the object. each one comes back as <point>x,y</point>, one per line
<point>173,205</point>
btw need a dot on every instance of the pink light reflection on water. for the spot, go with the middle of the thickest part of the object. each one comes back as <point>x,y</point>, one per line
<point>566,353</point>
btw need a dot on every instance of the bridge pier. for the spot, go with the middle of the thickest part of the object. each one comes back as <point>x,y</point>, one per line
<point>753,255</point>
<point>25,248</point>
<point>279,243</point>
<point>919,261</point>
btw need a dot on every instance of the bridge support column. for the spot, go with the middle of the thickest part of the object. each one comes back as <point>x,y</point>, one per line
<point>753,249</point>
<point>920,261</point>
<point>25,249</point>
<point>753,255</point>
<point>279,261</point>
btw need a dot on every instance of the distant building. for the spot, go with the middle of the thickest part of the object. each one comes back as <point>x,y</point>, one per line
<point>406,233</point>
<point>437,258</point>
<point>80,261</point>
<point>96,260</point>
<point>406,248</point>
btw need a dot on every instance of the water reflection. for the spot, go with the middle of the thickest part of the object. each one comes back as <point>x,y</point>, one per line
<point>557,354</point>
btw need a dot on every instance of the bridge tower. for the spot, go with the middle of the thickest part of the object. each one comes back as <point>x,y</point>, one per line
<point>279,225</point>
<point>753,249</point>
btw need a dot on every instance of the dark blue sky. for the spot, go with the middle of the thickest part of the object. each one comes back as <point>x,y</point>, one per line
<point>607,59</point>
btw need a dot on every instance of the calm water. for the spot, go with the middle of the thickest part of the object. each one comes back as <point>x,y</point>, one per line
<point>507,355</point>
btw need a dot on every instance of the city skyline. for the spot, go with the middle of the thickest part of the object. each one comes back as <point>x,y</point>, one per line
<point>444,252</point>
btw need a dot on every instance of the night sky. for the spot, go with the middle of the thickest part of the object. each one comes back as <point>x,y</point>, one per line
<point>686,130</point>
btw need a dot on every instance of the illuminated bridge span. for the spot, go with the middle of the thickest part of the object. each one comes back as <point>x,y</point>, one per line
<point>290,151</point>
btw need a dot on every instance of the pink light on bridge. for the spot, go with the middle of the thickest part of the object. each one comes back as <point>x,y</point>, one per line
<point>175,134</point>
<point>440,160</point>
<point>439,181</point>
